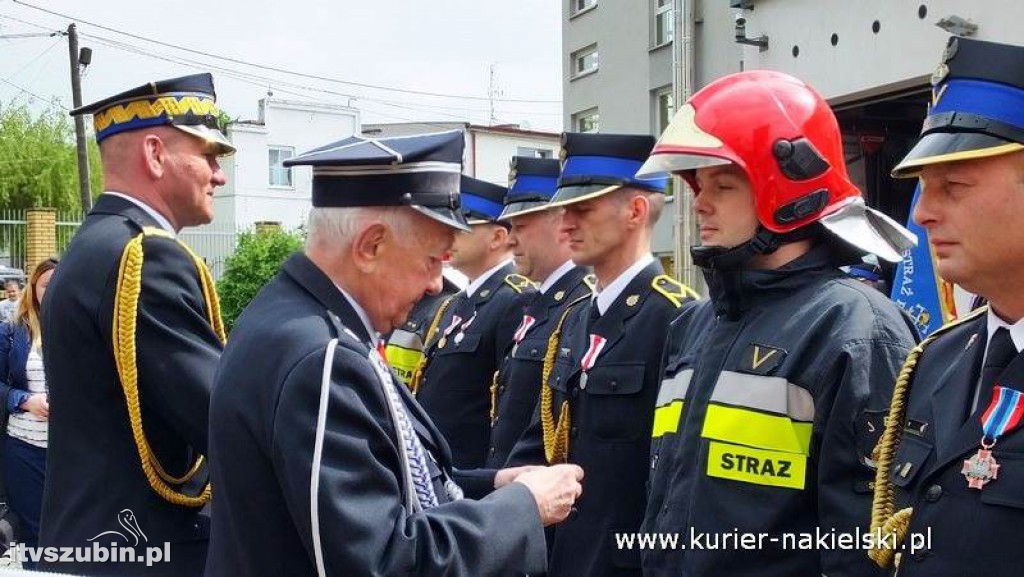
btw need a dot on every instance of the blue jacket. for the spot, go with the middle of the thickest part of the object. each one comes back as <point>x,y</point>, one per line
<point>15,345</point>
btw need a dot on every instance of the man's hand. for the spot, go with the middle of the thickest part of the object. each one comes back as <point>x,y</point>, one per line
<point>37,405</point>
<point>555,489</point>
<point>506,476</point>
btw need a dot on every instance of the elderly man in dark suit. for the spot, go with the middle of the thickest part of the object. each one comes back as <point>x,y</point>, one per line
<point>132,335</point>
<point>324,465</point>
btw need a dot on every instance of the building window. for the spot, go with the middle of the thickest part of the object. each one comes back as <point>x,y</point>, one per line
<point>587,121</point>
<point>584,61</point>
<point>531,152</point>
<point>663,22</point>
<point>578,6</point>
<point>664,102</point>
<point>279,175</point>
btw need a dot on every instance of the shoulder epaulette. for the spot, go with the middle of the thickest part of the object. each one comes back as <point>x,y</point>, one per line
<point>518,282</point>
<point>676,292</point>
<point>957,322</point>
<point>591,281</point>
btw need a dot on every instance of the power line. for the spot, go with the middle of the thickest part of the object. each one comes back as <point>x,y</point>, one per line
<point>258,80</point>
<point>275,69</point>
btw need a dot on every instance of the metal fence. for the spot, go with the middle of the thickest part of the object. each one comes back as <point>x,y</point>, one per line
<point>12,238</point>
<point>214,243</point>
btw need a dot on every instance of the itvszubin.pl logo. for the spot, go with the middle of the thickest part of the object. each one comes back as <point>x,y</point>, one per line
<point>121,548</point>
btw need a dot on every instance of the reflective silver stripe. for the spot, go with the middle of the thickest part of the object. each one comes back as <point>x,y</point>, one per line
<point>674,388</point>
<point>406,340</point>
<point>770,394</point>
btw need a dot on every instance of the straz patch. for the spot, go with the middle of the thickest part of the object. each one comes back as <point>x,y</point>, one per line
<point>761,359</point>
<point>757,466</point>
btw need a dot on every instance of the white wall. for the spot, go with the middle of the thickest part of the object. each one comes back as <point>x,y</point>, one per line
<point>248,196</point>
<point>489,152</point>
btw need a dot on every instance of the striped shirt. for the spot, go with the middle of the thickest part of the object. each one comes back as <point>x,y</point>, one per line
<point>25,426</point>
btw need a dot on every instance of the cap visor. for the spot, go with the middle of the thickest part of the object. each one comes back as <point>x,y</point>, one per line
<point>446,216</point>
<point>870,231</point>
<point>520,208</point>
<point>668,162</point>
<point>219,143</point>
<point>572,194</point>
<point>939,147</point>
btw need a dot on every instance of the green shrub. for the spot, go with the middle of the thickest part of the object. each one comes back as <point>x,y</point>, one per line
<point>256,260</point>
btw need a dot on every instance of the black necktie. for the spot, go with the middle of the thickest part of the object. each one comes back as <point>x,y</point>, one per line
<point>595,314</point>
<point>1001,351</point>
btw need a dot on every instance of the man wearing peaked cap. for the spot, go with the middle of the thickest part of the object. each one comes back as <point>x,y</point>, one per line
<point>602,362</point>
<point>952,459</point>
<point>323,464</point>
<point>775,388</point>
<point>132,334</point>
<point>542,254</point>
<point>472,330</point>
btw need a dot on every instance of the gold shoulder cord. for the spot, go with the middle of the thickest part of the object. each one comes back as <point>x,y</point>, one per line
<point>556,436</point>
<point>885,520</point>
<point>126,307</point>
<point>677,296</point>
<point>417,373</point>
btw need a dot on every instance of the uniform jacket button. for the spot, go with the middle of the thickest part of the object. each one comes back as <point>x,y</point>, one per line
<point>614,385</point>
<point>533,352</point>
<point>933,494</point>
<point>573,432</point>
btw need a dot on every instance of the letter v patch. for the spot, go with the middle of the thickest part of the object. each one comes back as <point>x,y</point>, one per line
<point>762,359</point>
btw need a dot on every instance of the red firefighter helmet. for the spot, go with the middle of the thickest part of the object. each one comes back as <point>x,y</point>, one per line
<point>784,136</point>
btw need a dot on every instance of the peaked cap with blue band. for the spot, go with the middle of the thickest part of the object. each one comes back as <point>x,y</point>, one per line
<point>977,106</point>
<point>188,103</point>
<point>482,201</point>
<point>420,171</point>
<point>532,182</point>
<point>596,164</point>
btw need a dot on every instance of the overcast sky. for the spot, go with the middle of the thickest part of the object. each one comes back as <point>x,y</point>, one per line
<point>437,46</point>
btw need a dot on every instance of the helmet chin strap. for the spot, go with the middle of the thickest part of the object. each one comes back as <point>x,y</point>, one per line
<point>764,241</point>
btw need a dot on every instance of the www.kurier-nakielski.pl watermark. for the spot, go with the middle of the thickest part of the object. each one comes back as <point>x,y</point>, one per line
<point>123,547</point>
<point>736,540</point>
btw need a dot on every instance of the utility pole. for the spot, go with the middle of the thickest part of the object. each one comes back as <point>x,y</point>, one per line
<point>77,61</point>
<point>493,92</point>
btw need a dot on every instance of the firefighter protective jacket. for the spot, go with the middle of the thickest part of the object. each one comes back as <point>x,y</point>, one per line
<point>773,397</point>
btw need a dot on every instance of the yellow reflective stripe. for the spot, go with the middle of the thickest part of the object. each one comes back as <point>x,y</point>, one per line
<point>403,361</point>
<point>756,429</point>
<point>666,419</point>
<point>757,466</point>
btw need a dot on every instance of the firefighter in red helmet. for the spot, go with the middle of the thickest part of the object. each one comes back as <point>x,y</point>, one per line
<point>775,389</point>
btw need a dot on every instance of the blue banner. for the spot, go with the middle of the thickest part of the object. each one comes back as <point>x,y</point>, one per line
<point>917,288</point>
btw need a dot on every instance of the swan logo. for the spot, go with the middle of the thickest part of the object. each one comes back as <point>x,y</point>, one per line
<point>132,532</point>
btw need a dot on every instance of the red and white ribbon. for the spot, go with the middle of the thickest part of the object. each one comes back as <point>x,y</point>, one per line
<point>524,327</point>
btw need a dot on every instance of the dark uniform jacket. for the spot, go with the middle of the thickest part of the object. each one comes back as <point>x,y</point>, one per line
<point>964,531</point>
<point>520,375</point>
<point>265,411</point>
<point>773,398</point>
<point>456,386</point>
<point>405,343</point>
<point>93,469</point>
<point>610,427</point>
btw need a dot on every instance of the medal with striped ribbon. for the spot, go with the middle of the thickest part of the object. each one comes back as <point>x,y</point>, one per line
<point>1003,415</point>
<point>596,345</point>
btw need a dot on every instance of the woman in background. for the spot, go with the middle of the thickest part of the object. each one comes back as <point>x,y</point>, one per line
<point>23,387</point>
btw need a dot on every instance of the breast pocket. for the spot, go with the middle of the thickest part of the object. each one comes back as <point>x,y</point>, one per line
<point>468,344</point>
<point>616,407</point>
<point>1006,489</point>
<point>910,459</point>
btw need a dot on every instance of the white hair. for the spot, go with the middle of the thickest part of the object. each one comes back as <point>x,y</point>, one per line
<point>339,226</point>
